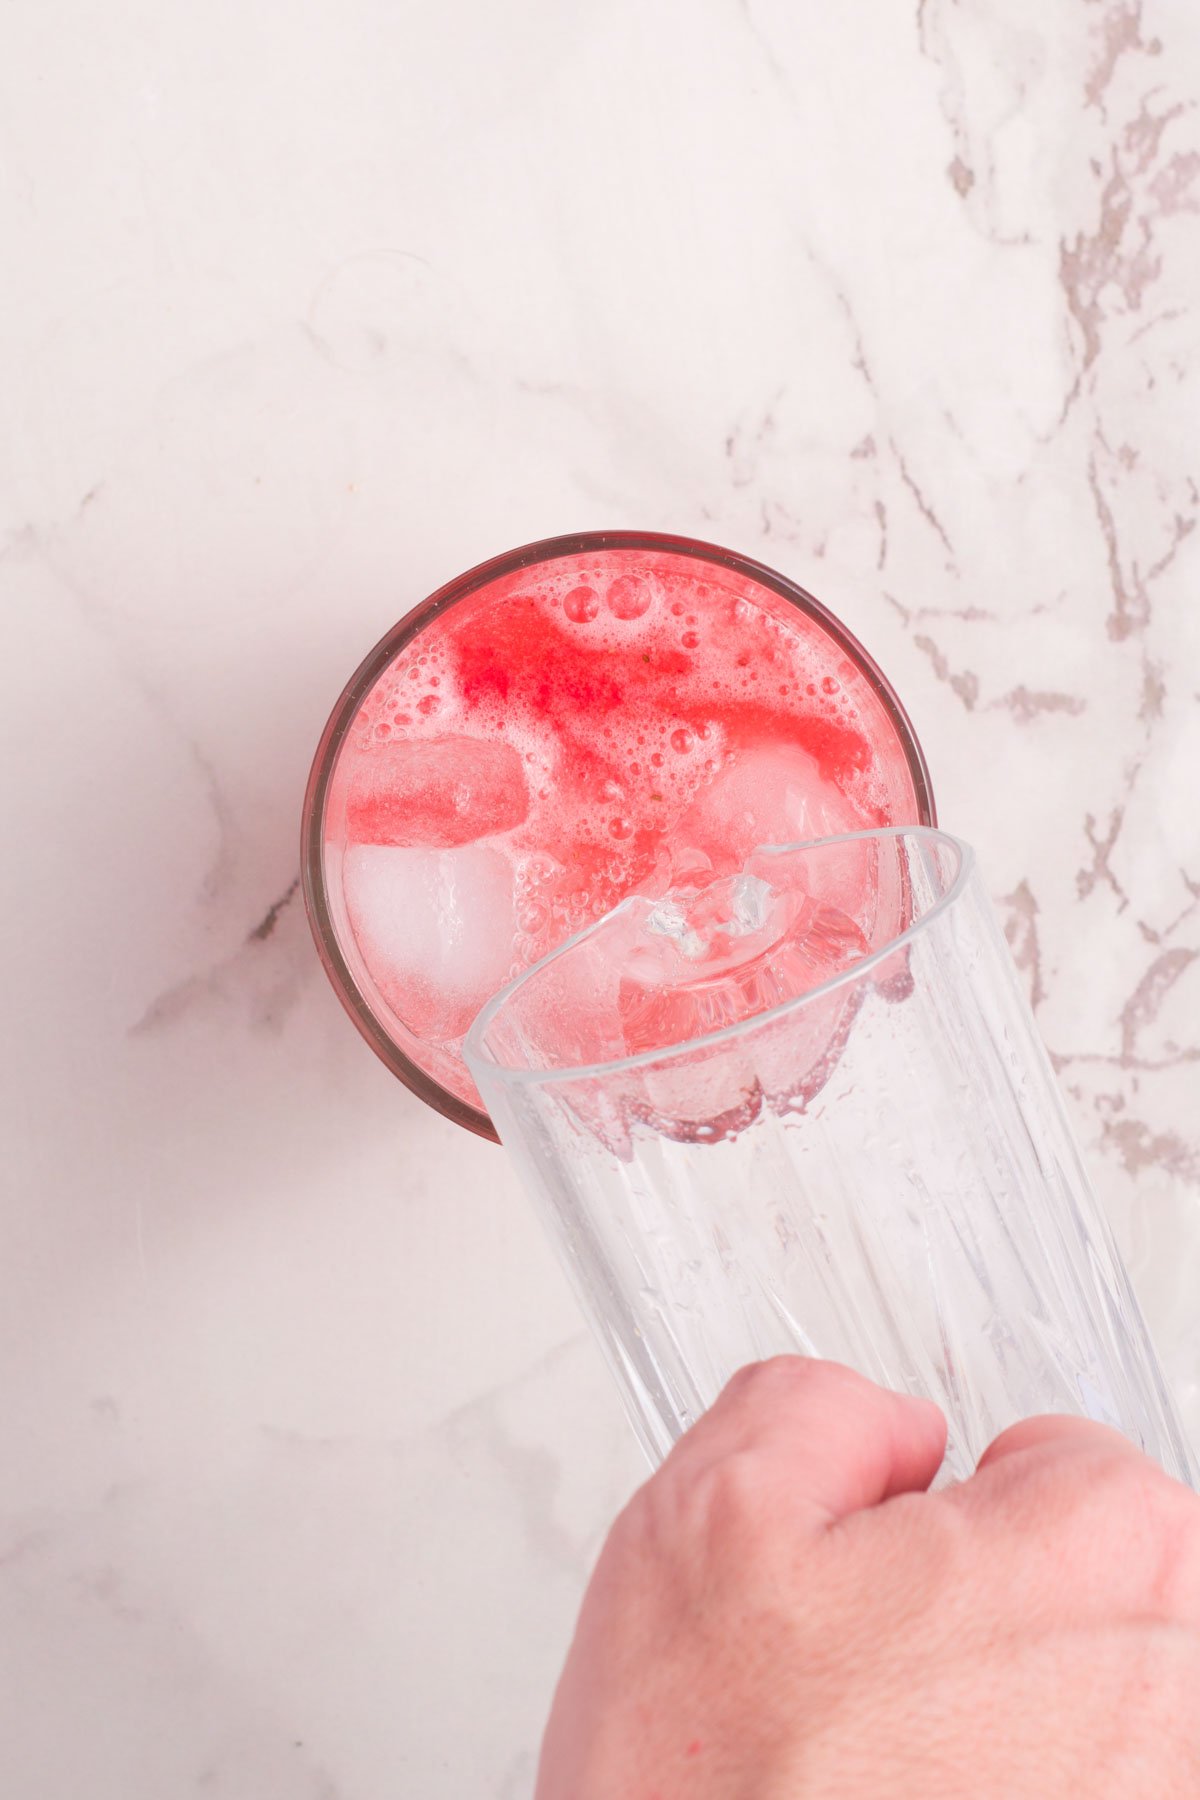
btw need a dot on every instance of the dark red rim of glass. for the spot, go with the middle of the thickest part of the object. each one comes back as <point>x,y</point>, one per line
<point>371,668</point>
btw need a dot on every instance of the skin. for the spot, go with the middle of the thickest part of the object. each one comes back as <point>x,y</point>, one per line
<point>784,1613</point>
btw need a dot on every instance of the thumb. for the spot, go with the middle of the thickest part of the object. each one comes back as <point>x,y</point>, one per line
<point>837,1442</point>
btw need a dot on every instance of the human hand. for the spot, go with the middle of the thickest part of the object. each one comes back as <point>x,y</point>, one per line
<point>783,1613</point>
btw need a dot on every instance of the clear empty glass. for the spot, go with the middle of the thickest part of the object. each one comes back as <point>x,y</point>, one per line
<point>807,1110</point>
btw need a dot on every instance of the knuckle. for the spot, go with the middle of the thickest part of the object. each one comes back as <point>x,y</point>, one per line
<point>1168,1523</point>
<point>716,1519</point>
<point>631,1527</point>
<point>1131,1487</point>
<point>646,1539</point>
<point>724,1504</point>
<point>782,1375</point>
<point>1150,1527</point>
<point>1113,1492</point>
<point>773,1372</point>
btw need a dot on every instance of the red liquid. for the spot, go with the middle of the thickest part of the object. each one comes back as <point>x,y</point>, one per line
<point>583,731</point>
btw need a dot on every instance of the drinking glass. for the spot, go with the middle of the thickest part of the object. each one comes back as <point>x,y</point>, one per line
<point>811,1114</point>
<point>435,1075</point>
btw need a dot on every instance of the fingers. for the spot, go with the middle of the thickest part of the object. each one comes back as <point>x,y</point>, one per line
<point>834,1441</point>
<point>1055,1435</point>
<point>1100,1523</point>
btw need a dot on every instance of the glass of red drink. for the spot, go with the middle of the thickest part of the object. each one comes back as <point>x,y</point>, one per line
<point>576,721</point>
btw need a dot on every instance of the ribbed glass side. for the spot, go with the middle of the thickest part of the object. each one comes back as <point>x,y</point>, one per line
<point>916,1209</point>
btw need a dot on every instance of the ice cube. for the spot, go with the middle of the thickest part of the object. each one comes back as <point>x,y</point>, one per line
<point>697,923</point>
<point>665,979</point>
<point>441,792</point>
<point>740,947</point>
<point>774,794</point>
<point>766,794</point>
<point>435,928</point>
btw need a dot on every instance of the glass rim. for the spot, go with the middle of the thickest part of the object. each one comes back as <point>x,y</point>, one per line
<point>477,1056</point>
<point>369,671</point>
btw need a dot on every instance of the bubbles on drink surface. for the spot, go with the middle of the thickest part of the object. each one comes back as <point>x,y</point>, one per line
<point>581,605</point>
<point>590,728</point>
<point>628,597</point>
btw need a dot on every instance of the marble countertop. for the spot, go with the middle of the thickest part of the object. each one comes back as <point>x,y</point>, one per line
<point>308,309</point>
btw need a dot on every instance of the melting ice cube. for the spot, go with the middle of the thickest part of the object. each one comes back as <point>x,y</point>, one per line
<point>697,962</point>
<point>726,910</point>
<point>768,794</point>
<point>666,978</point>
<point>435,927</point>
<point>441,792</point>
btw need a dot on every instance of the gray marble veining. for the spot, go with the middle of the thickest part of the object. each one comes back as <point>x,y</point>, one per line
<point>307,1456</point>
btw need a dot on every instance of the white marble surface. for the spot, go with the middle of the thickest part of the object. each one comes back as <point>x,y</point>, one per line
<point>306,309</point>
